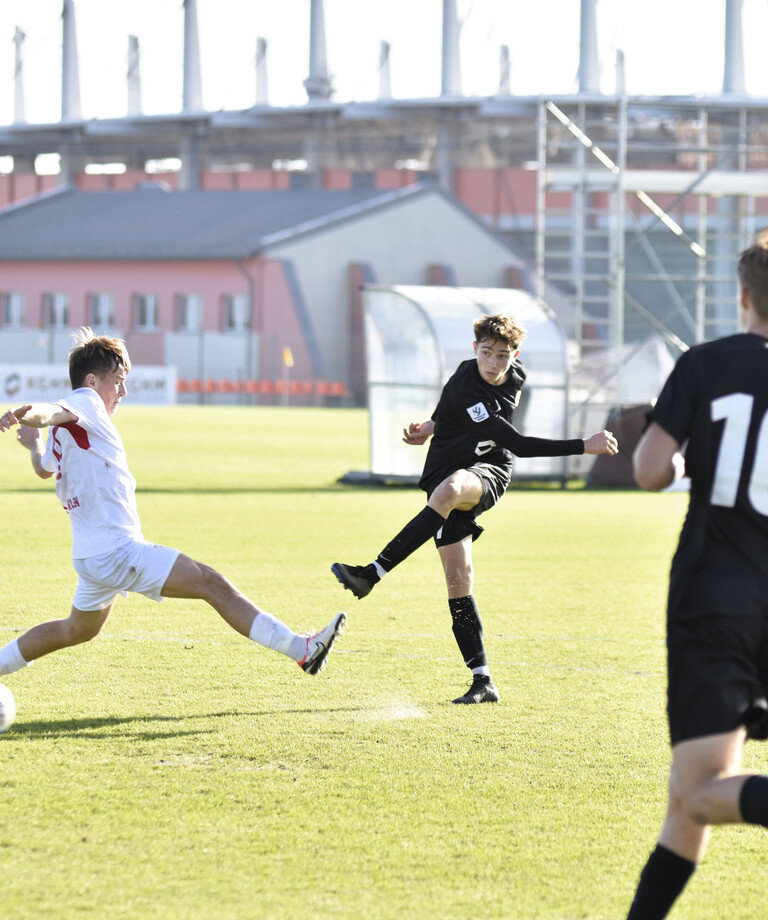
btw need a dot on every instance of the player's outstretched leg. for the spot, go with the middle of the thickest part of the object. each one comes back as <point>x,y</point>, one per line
<point>191,579</point>
<point>359,579</point>
<point>319,644</point>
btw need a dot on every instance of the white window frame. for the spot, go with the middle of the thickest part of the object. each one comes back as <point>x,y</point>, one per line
<point>56,310</point>
<point>189,312</point>
<point>101,310</point>
<point>236,310</point>
<point>13,303</point>
<point>146,312</point>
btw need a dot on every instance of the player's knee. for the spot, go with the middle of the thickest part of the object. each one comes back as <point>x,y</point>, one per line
<point>83,630</point>
<point>212,585</point>
<point>697,806</point>
<point>447,494</point>
<point>696,811</point>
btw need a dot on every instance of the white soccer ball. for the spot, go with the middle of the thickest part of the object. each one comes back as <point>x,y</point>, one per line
<point>7,709</point>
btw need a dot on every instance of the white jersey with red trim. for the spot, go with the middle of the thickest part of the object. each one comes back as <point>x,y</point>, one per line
<point>93,481</point>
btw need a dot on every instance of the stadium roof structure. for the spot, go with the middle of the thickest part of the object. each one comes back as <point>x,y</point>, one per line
<point>157,225</point>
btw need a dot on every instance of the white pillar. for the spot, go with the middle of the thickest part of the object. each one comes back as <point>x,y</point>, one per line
<point>133,77</point>
<point>505,82</point>
<point>451,75</point>
<point>733,72</point>
<point>262,83</point>
<point>318,83</point>
<point>621,80</point>
<point>19,108</point>
<point>589,62</point>
<point>70,73</point>
<point>385,81</point>
<point>192,99</point>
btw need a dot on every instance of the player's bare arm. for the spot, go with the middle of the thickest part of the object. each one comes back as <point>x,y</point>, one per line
<point>418,432</point>
<point>603,442</point>
<point>36,415</point>
<point>657,460</point>
<point>32,439</point>
<point>12,416</point>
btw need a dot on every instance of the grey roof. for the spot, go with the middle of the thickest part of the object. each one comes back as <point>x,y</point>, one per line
<point>153,224</point>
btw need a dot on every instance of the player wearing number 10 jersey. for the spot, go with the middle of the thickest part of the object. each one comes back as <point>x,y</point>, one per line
<point>716,399</point>
<point>715,405</point>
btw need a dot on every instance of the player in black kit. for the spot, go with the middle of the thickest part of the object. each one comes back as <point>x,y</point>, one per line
<point>716,403</point>
<point>467,470</point>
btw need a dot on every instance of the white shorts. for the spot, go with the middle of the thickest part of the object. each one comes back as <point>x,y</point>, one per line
<point>136,566</point>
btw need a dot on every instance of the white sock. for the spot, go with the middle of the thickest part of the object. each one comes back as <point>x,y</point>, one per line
<point>11,658</point>
<point>379,570</point>
<point>482,671</point>
<point>270,632</point>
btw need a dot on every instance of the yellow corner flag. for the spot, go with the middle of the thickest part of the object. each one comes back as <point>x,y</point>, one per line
<point>287,356</point>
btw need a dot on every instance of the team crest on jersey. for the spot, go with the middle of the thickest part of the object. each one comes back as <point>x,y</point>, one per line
<point>478,412</point>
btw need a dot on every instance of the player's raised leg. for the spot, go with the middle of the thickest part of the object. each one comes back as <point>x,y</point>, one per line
<point>360,579</point>
<point>461,490</point>
<point>191,579</point>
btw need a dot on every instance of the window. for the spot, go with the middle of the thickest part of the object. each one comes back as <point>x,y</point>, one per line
<point>146,312</point>
<point>12,307</point>
<point>236,312</point>
<point>56,311</point>
<point>189,312</point>
<point>101,310</point>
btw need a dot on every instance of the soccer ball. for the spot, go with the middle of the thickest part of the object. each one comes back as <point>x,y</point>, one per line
<point>7,709</point>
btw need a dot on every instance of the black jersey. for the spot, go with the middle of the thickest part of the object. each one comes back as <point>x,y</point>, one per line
<point>716,399</point>
<point>473,424</point>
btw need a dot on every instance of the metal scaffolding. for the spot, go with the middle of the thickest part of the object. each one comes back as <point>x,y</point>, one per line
<point>642,208</point>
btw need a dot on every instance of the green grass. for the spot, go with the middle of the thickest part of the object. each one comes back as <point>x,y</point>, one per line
<point>171,769</point>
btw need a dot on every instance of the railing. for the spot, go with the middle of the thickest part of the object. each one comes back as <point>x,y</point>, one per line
<point>267,392</point>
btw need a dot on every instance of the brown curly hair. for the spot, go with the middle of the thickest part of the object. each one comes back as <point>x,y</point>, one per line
<point>499,327</point>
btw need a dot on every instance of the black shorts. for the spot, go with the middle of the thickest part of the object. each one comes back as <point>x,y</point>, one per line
<point>718,676</point>
<point>461,524</point>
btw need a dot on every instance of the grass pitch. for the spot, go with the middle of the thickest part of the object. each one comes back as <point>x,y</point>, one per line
<point>170,769</point>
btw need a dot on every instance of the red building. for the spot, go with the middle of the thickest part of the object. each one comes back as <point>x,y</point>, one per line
<point>227,285</point>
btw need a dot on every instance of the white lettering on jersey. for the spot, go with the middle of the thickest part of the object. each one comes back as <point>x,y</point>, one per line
<point>736,409</point>
<point>478,412</point>
<point>482,447</point>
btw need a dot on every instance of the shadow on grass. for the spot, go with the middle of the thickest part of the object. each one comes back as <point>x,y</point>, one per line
<point>91,728</point>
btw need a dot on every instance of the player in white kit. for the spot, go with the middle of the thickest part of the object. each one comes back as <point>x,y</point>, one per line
<point>85,453</point>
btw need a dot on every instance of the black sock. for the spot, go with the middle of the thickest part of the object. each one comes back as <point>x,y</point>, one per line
<point>661,881</point>
<point>753,801</point>
<point>468,630</point>
<point>415,534</point>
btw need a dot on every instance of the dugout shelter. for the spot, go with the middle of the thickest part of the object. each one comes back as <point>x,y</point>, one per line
<point>415,338</point>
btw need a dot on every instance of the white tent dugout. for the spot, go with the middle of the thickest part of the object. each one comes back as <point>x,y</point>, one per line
<point>415,338</point>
